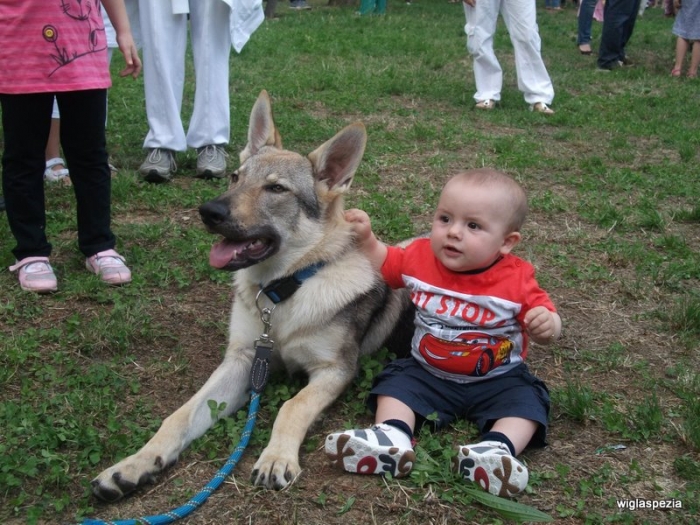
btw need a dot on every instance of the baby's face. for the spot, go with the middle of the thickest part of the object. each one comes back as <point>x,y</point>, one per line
<point>469,227</point>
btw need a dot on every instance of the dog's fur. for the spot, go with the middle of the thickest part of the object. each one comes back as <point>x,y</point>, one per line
<point>281,213</point>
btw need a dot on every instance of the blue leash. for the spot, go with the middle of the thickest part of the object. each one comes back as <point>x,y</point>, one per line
<point>199,499</point>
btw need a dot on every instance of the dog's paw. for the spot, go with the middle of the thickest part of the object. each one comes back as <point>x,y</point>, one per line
<point>125,477</point>
<point>274,472</point>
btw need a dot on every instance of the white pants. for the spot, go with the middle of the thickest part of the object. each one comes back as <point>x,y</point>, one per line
<point>164,45</point>
<point>520,17</point>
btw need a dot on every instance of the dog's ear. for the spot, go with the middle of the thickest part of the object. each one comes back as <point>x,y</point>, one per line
<point>261,128</point>
<point>337,159</point>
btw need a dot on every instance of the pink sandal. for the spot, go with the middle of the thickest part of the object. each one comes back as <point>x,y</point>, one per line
<point>676,72</point>
<point>35,275</point>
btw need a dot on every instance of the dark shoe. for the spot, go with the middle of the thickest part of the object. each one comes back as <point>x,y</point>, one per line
<point>626,62</point>
<point>610,67</point>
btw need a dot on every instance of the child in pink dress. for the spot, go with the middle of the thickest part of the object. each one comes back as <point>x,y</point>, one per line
<point>58,49</point>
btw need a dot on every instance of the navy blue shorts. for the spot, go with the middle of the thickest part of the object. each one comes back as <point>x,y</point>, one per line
<point>516,393</point>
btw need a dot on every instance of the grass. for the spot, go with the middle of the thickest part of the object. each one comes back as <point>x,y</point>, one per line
<point>87,374</point>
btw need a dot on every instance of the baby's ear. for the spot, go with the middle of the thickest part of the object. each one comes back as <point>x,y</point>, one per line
<point>509,242</point>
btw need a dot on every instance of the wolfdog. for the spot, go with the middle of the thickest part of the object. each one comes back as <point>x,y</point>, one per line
<point>282,228</point>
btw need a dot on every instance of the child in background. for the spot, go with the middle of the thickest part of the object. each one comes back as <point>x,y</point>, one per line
<point>63,53</point>
<point>477,307</point>
<point>687,28</point>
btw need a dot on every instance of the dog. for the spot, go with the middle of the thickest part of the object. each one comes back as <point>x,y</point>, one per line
<point>282,228</point>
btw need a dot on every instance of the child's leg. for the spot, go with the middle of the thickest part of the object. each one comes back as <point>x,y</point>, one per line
<point>681,51</point>
<point>53,145</point>
<point>83,138</point>
<point>694,60</point>
<point>518,430</point>
<point>384,448</point>
<point>55,166</point>
<point>26,120</point>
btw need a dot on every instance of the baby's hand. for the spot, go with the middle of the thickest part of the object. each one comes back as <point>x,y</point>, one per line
<point>360,222</point>
<point>541,325</point>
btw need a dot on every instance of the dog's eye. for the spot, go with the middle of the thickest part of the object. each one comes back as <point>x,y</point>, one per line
<point>234,177</point>
<point>276,188</point>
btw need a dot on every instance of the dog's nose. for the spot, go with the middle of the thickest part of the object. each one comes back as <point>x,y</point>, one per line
<point>213,213</point>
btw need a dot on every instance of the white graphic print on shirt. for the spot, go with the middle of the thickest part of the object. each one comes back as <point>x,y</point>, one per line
<point>464,337</point>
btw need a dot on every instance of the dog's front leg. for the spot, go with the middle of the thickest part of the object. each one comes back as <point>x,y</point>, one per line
<point>278,464</point>
<point>228,384</point>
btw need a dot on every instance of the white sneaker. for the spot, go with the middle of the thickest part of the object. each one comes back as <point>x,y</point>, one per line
<point>381,449</point>
<point>159,166</point>
<point>490,465</point>
<point>211,162</point>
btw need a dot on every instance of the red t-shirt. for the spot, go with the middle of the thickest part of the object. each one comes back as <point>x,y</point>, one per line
<point>469,326</point>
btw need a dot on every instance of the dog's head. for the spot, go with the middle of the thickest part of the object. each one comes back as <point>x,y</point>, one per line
<point>280,202</point>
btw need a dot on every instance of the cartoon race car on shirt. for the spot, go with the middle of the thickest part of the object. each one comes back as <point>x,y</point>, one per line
<point>471,353</point>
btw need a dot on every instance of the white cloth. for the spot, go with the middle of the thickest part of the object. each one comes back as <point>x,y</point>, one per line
<point>214,26</point>
<point>520,18</point>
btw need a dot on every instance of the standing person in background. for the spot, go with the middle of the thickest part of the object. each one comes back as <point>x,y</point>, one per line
<point>520,17</point>
<point>585,22</point>
<point>55,166</point>
<point>214,26</point>
<point>619,17</point>
<point>64,56</point>
<point>687,28</point>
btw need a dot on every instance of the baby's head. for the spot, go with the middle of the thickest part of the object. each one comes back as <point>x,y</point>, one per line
<point>478,219</point>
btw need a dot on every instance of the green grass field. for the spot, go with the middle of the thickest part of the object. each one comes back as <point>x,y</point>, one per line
<point>87,374</point>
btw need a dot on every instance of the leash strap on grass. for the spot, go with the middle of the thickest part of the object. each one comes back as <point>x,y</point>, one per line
<point>194,503</point>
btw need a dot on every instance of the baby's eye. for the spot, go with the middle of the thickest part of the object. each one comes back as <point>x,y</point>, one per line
<point>473,226</point>
<point>444,219</point>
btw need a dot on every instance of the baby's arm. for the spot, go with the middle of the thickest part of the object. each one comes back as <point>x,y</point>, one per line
<point>544,326</point>
<point>368,243</point>
<point>116,11</point>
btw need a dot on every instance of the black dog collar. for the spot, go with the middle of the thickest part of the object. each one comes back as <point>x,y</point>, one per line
<point>281,289</point>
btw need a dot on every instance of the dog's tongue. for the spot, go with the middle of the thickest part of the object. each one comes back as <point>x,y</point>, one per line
<point>224,252</point>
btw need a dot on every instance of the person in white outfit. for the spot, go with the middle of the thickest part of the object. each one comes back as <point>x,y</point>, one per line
<point>520,18</point>
<point>214,25</point>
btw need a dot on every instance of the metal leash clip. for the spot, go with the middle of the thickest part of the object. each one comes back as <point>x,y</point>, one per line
<point>263,349</point>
